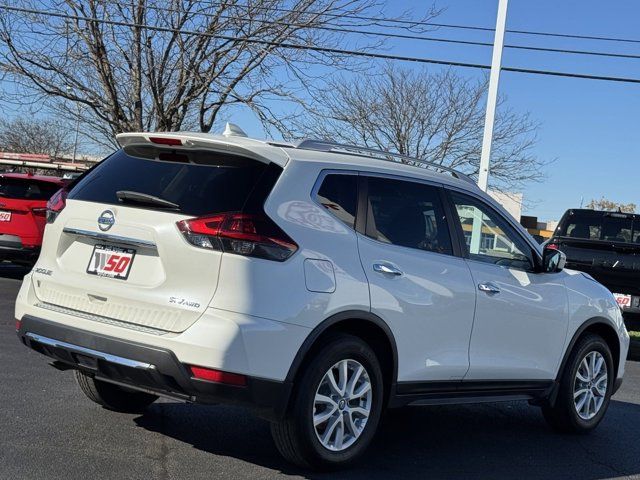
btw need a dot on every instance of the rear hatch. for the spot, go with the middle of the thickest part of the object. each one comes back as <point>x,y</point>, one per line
<point>22,208</point>
<point>115,251</point>
<point>604,244</point>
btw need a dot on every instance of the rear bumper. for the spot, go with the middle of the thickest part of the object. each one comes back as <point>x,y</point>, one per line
<point>11,248</point>
<point>145,367</point>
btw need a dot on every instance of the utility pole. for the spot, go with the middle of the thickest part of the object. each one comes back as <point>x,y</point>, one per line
<point>492,97</point>
<point>492,100</point>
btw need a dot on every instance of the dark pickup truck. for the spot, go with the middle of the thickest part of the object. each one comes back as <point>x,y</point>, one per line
<point>606,245</point>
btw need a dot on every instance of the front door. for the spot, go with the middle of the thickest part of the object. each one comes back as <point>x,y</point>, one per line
<point>521,316</point>
<point>418,287</point>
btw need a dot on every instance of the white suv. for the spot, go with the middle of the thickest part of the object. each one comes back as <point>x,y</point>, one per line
<point>318,284</point>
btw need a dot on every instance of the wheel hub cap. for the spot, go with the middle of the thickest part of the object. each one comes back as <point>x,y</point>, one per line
<point>590,385</point>
<point>342,405</point>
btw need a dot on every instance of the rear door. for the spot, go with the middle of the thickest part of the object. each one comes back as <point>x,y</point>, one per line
<point>417,285</point>
<point>122,256</point>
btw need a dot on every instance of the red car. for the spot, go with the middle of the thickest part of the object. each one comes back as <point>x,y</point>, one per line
<point>23,202</point>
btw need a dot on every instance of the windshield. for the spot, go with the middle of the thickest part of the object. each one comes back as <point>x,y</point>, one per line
<point>606,226</point>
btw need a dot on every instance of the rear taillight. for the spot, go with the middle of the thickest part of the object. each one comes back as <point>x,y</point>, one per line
<point>39,211</point>
<point>56,204</point>
<point>239,233</point>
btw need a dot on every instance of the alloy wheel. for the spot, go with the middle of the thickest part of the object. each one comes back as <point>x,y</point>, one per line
<point>590,385</point>
<point>342,405</point>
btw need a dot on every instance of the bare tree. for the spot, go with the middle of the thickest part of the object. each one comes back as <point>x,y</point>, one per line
<point>122,65</point>
<point>437,117</point>
<point>24,135</point>
<point>611,206</point>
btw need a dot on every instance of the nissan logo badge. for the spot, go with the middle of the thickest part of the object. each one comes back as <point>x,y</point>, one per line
<point>106,220</point>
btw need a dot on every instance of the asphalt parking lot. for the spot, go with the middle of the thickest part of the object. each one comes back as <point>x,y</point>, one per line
<point>49,430</point>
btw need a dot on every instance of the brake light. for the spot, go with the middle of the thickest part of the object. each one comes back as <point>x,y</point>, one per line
<point>18,325</point>
<point>165,141</point>
<point>56,204</point>
<point>552,246</point>
<point>40,211</point>
<point>239,233</point>
<point>218,376</point>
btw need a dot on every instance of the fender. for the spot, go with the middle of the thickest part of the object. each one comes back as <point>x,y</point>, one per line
<point>360,315</point>
<point>551,399</point>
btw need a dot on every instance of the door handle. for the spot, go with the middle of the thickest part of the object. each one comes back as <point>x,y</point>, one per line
<point>386,268</point>
<point>488,287</point>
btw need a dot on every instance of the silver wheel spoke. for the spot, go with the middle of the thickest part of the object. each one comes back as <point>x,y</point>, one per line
<point>331,427</point>
<point>331,379</point>
<point>598,368</point>
<point>578,393</point>
<point>355,431</point>
<point>320,418</point>
<point>344,376</point>
<point>354,380</point>
<point>342,405</point>
<point>590,385</point>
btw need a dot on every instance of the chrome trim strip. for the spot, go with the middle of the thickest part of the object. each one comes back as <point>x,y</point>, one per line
<point>99,318</point>
<point>109,238</point>
<point>127,362</point>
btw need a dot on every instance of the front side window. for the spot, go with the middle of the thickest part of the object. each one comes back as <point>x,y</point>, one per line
<point>407,214</point>
<point>488,236</point>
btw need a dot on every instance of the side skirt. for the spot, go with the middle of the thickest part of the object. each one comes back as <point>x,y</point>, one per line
<point>459,392</point>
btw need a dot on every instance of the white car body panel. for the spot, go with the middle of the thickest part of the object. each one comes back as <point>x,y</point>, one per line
<point>429,308</point>
<point>253,315</point>
<point>520,332</point>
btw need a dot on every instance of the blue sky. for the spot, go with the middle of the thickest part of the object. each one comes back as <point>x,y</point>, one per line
<point>590,128</point>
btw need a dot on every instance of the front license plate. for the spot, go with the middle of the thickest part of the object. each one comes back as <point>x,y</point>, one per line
<point>112,262</point>
<point>624,301</point>
<point>5,216</point>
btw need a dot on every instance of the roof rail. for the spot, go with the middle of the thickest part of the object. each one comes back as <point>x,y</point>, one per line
<point>333,147</point>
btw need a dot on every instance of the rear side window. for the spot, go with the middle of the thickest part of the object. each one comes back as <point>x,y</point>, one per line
<point>595,225</point>
<point>27,189</point>
<point>407,214</point>
<point>339,194</point>
<point>199,182</point>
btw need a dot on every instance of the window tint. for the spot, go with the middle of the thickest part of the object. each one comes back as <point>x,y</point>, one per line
<point>27,189</point>
<point>594,225</point>
<point>339,194</point>
<point>200,182</point>
<point>488,236</point>
<point>408,214</point>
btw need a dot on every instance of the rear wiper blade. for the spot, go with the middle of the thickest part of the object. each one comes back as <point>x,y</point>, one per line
<point>127,196</point>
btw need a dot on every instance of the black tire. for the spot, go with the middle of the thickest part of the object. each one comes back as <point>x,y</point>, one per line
<point>113,397</point>
<point>563,415</point>
<point>295,435</point>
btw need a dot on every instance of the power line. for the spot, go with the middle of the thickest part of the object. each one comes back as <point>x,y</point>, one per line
<point>336,51</point>
<point>342,29</point>
<point>415,23</point>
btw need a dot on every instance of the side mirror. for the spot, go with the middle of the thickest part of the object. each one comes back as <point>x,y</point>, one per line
<point>553,260</point>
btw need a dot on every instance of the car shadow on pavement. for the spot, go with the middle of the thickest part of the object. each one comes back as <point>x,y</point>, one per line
<point>13,271</point>
<point>477,441</point>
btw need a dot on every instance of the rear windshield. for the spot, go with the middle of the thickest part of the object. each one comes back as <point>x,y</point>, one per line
<point>26,188</point>
<point>594,225</point>
<point>199,182</point>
